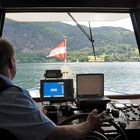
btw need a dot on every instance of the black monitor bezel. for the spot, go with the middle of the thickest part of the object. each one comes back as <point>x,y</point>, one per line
<point>56,99</point>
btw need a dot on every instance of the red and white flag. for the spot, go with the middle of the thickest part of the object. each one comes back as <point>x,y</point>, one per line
<point>59,51</point>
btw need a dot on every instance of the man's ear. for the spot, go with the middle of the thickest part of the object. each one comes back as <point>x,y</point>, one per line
<point>10,63</point>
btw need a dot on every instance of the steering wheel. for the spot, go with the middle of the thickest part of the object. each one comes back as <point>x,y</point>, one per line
<point>94,136</point>
<point>109,130</point>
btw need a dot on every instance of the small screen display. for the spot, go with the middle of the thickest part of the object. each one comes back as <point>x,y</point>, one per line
<point>54,89</point>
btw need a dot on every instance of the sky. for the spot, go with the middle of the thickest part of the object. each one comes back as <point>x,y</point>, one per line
<point>98,19</point>
<point>124,23</point>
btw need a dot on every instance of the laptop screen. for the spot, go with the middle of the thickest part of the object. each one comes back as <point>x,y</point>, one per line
<point>90,85</point>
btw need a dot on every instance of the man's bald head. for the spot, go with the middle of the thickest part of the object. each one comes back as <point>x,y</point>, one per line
<point>7,58</point>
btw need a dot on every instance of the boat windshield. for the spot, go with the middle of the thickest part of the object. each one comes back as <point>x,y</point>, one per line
<point>76,43</point>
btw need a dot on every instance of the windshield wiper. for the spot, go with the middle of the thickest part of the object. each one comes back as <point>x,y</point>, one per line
<point>90,37</point>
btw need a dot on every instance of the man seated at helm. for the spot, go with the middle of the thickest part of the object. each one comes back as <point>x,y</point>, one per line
<point>20,114</point>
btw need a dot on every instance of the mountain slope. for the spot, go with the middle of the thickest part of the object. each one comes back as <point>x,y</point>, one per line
<point>40,38</point>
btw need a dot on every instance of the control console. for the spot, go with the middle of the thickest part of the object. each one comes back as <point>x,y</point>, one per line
<point>131,112</point>
<point>126,114</point>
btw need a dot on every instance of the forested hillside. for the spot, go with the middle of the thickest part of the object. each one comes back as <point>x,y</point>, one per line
<point>34,40</point>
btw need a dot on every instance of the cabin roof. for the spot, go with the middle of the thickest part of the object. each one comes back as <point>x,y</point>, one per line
<point>70,5</point>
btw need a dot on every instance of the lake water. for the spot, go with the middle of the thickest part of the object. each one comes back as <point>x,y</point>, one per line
<point>123,77</point>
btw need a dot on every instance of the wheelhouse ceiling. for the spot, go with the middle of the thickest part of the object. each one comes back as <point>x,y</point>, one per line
<point>70,5</point>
